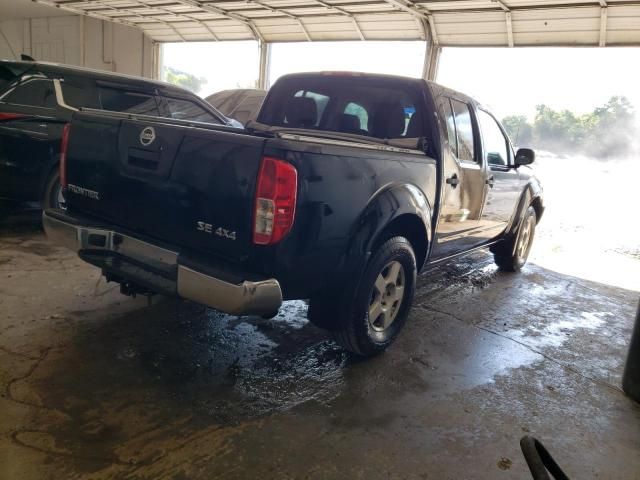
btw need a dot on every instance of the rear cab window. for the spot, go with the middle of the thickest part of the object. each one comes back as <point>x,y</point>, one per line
<point>381,108</point>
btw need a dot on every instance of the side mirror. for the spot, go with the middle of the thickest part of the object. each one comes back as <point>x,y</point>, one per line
<point>524,156</point>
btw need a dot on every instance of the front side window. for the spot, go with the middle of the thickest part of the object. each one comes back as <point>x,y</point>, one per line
<point>495,143</point>
<point>464,131</point>
<point>34,92</point>
<point>187,110</point>
<point>116,100</point>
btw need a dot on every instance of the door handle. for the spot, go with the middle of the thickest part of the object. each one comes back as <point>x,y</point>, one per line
<point>489,181</point>
<point>453,180</point>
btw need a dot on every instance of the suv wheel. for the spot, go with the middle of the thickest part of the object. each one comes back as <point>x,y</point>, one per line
<point>512,255</point>
<point>377,310</point>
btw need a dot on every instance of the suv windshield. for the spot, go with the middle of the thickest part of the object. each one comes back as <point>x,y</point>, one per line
<point>382,108</point>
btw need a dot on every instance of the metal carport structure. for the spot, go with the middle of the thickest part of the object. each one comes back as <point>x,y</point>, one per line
<point>440,23</point>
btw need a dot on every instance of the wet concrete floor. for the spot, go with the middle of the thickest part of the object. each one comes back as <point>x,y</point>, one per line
<point>97,385</point>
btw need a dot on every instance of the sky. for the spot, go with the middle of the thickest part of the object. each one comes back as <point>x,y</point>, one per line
<point>510,81</point>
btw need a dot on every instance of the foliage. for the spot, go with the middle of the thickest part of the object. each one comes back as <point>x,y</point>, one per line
<point>183,79</point>
<point>607,131</point>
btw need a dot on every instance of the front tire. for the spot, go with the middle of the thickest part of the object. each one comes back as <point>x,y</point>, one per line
<point>53,196</point>
<point>375,312</point>
<point>513,254</point>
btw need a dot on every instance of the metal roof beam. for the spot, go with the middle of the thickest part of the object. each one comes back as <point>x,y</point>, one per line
<point>502,5</point>
<point>344,12</point>
<point>409,7</point>
<point>107,18</point>
<point>412,9</point>
<point>234,16</point>
<point>162,8</point>
<point>285,13</point>
<point>79,11</point>
<point>603,27</point>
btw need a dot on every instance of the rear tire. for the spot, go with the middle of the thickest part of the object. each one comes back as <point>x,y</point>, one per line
<point>53,196</point>
<point>512,254</point>
<point>374,313</point>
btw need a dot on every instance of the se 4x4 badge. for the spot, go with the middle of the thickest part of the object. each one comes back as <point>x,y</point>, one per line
<point>220,232</point>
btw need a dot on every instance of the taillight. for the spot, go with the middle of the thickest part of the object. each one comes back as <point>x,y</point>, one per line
<point>11,116</point>
<point>63,154</point>
<point>275,205</point>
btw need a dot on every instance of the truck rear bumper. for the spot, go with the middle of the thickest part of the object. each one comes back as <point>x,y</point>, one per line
<point>148,264</point>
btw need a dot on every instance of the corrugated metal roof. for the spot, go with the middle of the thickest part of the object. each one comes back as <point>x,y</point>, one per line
<point>451,22</point>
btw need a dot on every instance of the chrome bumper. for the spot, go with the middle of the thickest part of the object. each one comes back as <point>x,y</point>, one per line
<point>246,298</point>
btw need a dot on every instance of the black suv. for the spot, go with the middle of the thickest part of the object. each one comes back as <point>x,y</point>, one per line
<point>37,100</point>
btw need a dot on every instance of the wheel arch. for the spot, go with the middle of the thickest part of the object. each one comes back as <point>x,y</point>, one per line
<point>531,196</point>
<point>536,203</point>
<point>397,209</point>
<point>411,227</point>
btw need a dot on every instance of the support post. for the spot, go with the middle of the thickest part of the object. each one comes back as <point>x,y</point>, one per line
<point>631,376</point>
<point>156,60</point>
<point>432,52</point>
<point>265,60</point>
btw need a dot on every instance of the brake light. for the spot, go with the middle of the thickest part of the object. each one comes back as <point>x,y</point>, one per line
<point>11,116</point>
<point>63,154</point>
<point>275,205</point>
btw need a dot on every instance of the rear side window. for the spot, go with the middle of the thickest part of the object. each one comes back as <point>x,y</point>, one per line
<point>376,107</point>
<point>464,131</point>
<point>187,110</point>
<point>117,100</point>
<point>451,124</point>
<point>33,92</point>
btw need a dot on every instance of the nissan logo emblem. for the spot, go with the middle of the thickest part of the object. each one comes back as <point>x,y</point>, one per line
<point>147,136</point>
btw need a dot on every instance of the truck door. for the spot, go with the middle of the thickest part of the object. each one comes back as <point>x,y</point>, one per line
<point>502,179</point>
<point>464,181</point>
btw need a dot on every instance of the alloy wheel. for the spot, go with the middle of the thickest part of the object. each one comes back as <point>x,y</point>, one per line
<point>387,296</point>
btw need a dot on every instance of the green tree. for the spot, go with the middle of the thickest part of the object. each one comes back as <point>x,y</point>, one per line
<point>183,79</point>
<point>608,131</point>
<point>519,130</point>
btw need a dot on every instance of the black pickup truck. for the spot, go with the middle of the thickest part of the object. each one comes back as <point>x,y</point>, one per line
<point>345,187</point>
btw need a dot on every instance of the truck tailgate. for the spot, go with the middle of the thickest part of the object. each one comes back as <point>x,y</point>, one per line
<point>180,184</point>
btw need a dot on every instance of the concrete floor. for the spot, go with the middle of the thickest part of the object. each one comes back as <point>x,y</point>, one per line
<point>97,385</point>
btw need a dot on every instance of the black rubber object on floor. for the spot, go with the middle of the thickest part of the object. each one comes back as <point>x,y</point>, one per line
<point>540,461</point>
<point>631,376</point>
